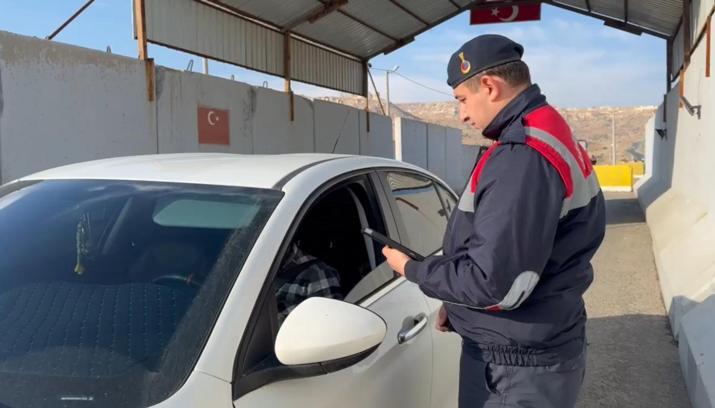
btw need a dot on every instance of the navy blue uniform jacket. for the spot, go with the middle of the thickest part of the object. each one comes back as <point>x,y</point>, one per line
<point>517,251</point>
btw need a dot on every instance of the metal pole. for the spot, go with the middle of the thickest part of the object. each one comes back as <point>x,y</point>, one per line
<point>69,20</point>
<point>387,91</point>
<point>206,66</point>
<point>613,138</point>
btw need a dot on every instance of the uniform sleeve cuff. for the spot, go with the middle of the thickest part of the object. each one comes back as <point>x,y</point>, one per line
<point>411,268</point>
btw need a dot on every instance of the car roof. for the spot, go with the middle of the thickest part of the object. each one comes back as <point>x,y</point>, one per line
<point>260,171</point>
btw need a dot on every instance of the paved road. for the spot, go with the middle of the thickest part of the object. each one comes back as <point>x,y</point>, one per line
<point>633,359</point>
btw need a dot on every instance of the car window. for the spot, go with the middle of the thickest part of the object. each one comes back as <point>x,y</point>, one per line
<point>107,286</point>
<point>448,200</point>
<point>329,256</point>
<point>420,210</point>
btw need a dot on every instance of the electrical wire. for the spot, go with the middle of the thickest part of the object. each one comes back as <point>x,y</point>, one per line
<point>422,85</point>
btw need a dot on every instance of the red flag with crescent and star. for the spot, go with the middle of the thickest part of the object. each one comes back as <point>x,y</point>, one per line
<point>213,126</point>
<point>505,14</point>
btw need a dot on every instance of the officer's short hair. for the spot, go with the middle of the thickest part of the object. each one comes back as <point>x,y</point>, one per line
<point>514,73</point>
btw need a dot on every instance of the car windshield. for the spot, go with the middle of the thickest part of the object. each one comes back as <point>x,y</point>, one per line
<point>109,289</point>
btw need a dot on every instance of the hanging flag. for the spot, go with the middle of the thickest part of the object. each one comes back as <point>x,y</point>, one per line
<point>509,14</point>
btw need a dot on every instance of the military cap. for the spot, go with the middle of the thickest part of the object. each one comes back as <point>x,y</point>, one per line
<point>479,54</point>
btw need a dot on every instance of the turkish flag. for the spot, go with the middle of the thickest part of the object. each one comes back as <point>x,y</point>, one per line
<point>213,126</point>
<point>487,15</point>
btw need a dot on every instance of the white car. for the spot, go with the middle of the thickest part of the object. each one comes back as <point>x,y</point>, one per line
<point>151,281</point>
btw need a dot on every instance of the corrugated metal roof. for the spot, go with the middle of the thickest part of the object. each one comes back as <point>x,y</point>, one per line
<point>659,17</point>
<point>365,28</point>
<point>357,29</point>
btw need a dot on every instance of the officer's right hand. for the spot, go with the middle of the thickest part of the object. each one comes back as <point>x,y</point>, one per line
<point>442,323</point>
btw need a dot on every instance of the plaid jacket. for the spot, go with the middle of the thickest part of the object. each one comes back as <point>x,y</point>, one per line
<point>303,276</point>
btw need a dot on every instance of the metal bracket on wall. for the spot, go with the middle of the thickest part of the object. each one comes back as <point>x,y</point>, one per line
<point>692,109</point>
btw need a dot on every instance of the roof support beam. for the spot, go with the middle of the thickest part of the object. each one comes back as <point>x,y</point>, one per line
<point>140,21</point>
<point>588,6</point>
<point>625,11</point>
<point>687,41</point>
<point>359,21</point>
<point>410,12</point>
<point>708,45</point>
<point>669,61</point>
<point>316,14</point>
<point>287,75</point>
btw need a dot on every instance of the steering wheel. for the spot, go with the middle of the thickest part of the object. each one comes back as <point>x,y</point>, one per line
<point>173,279</point>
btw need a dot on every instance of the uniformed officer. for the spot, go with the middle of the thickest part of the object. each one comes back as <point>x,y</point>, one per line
<point>517,250</point>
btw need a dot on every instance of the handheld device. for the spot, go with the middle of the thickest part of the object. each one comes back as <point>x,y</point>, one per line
<point>392,244</point>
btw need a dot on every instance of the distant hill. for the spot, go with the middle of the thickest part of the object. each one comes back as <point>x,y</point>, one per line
<point>591,124</point>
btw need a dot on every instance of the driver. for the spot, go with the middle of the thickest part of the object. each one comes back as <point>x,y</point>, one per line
<point>302,276</point>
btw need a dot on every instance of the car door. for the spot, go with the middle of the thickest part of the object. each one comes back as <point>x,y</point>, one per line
<point>399,372</point>
<point>422,207</point>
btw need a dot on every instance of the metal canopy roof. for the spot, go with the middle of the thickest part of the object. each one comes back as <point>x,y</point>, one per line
<point>366,28</point>
<point>328,42</point>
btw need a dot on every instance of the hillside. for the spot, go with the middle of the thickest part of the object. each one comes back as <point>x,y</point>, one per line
<point>592,124</point>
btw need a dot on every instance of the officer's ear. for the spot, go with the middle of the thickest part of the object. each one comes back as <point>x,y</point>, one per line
<point>493,86</point>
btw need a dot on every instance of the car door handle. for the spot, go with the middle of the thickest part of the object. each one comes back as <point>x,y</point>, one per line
<point>407,335</point>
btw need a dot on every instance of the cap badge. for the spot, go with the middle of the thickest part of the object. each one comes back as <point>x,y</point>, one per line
<point>465,67</point>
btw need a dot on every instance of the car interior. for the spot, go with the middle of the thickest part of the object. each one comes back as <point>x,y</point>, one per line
<point>332,232</point>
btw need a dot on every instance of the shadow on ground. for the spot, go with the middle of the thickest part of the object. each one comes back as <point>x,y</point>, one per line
<point>624,211</point>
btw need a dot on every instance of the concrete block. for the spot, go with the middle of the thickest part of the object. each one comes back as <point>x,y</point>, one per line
<point>379,141</point>
<point>337,130</point>
<point>273,131</point>
<point>468,162</point>
<point>64,104</point>
<point>697,355</point>
<point>455,175</point>
<point>411,141</point>
<point>179,94</point>
<point>671,217</point>
<point>687,269</point>
<point>436,150</point>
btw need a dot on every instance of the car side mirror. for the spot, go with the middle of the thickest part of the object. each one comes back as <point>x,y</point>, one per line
<point>326,331</point>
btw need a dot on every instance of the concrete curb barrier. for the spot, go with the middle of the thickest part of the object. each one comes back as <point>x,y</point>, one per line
<point>697,358</point>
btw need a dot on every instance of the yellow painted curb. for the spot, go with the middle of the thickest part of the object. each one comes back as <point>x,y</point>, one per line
<point>615,178</point>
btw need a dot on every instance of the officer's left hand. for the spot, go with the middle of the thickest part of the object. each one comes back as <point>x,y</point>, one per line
<point>396,259</point>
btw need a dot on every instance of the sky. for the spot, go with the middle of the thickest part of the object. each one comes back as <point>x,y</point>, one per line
<point>576,60</point>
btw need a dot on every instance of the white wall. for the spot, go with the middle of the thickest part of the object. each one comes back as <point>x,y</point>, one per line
<point>379,140</point>
<point>179,93</point>
<point>64,104</point>
<point>340,128</point>
<point>678,195</point>
<point>61,104</point>
<point>436,148</point>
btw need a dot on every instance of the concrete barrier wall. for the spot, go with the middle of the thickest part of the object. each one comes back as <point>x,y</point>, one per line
<point>678,195</point>
<point>61,104</point>
<point>436,148</point>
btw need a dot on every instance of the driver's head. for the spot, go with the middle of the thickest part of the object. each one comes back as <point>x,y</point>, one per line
<point>486,73</point>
